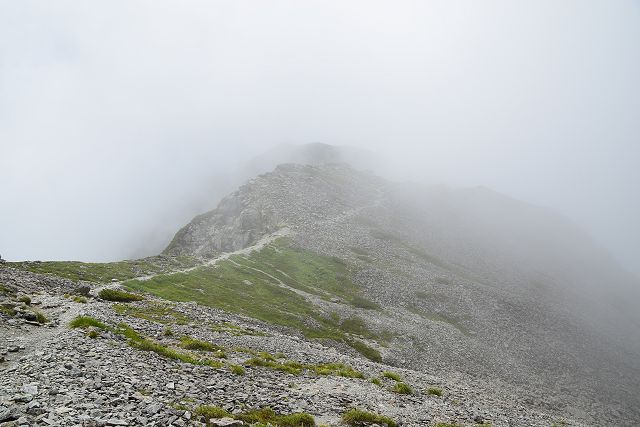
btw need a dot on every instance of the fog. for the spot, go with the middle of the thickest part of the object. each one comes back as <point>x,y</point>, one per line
<point>120,120</point>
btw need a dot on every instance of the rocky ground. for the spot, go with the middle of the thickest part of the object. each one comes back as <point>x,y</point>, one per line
<point>55,375</point>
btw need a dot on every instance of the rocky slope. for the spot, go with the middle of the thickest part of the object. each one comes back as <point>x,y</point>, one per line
<point>494,304</point>
<point>56,375</point>
<point>473,281</point>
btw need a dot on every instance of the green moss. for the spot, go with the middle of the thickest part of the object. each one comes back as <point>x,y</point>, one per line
<point>85,322</point>
<point>402,388</point>
<point>358,418</point>
<point>195,344</point>
<point>268,416</point>
<point>392,376</point>
<point>79,299</point>
<point>9,311</point>
<point>434,391</point>
<point>208,412</point>
<point>237,369</point>
<point>93,333</point>
<point>376,381</point>
<point>120,296</point>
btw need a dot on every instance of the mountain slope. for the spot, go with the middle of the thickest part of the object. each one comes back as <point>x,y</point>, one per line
<point>470,281</point>
<point>496,303</point>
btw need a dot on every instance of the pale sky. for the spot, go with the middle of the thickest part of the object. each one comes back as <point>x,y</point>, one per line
<point>115,116</point>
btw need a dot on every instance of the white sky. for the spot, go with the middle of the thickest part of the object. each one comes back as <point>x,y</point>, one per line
<point>115,115</point>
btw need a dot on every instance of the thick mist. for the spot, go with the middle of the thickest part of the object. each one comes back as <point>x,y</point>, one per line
<point>121,120</point>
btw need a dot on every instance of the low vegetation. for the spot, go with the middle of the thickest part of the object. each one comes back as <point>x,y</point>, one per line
<point>361,302</point>
<point>140,342</point>
<point>263,416</point>
<point>392,376</point>
<point>295,368</point>
<point>237,369</point>
<point>9,311</point>
<point>119,296</point>
<point>40,317</point>
<point>105,272</point>
<point>358,418</point>
<point>195,344</point>
<point>251,285</point>
<point>87,321</point>
<point>402,388</point>
<point>25,299</point>
<point>434,391</point>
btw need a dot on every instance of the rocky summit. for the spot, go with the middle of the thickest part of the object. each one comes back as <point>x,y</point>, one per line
<point>324,295</point>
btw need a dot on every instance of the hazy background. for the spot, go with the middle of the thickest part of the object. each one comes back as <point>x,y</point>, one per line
<point>117,117</point>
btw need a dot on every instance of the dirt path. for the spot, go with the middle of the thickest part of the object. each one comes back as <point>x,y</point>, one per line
<point>58,310</point>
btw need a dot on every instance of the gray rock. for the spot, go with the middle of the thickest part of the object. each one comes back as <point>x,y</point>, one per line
<point>225,422</point>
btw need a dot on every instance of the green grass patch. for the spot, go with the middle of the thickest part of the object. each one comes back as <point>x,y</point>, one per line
<point>258,417</point>
<point>268,416</point>
<point>434,391</point>
<point>105,272</point>
<point>9,311</point>
<point>119,296</point>
<point>25,299</point>
<point>140,342</point>
<point>79,299</point>
<point>87,321</point>
<point>392,376</point>
<point>296,368</point>
<point>359,418</point>
<point>195,344</point>
<point>237,369</point>
<point>402,388</point>
<point>209,411</point>
<point>40,317</point>
<point>249,285</point>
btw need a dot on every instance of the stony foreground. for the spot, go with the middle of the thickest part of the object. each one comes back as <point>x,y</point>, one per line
<point>54,375</point>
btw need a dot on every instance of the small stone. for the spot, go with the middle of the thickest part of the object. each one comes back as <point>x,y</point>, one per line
<point>225,422</point>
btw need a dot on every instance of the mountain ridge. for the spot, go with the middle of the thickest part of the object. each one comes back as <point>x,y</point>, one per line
<point>447,285</point>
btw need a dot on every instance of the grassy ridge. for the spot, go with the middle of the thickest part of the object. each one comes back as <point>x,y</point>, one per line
<point>105,272</point>
<point>250,286</point>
